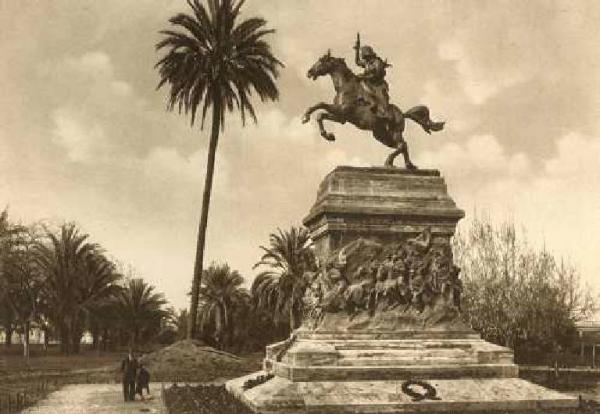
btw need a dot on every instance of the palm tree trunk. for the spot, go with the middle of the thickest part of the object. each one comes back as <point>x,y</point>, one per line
<point>9,332</point>
<point>292,318</point>
<point>104,339</point>
<point>65,338</point>
<point>135,337</point>
<point>76,335</point>
<point>210,167</point>
<point>95,338</point>
<point>225,327</point>
<point>46,331</point>
<point>26,339</point>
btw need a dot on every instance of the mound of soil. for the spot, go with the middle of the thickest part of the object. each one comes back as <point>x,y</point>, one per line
<point>192,361</point>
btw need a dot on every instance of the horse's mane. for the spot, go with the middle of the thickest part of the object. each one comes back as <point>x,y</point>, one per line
<point>342,62</point>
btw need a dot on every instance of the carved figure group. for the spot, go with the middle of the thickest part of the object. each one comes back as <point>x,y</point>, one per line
<point>412,275</point>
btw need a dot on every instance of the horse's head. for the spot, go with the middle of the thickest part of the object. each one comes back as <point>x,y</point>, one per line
<point>324,66</point>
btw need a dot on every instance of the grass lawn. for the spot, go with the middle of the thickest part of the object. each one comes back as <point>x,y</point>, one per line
<point>26,381</point>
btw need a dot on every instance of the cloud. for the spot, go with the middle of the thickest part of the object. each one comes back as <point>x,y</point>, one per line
<point>478,160</point>
<point>80,141</point>
<point>95,63</point>
<point>96,69</point>
<point>169,165</point>
<point>480,83</point>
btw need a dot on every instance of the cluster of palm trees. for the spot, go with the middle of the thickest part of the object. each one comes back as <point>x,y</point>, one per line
<point>230,315</point>
<point>65,285</point>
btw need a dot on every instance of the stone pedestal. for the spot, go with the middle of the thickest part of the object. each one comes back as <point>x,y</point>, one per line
<point>383,312</point>
<point>381,204</point>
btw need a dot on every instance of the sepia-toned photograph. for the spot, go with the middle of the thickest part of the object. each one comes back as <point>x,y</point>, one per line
<point>290,207</point>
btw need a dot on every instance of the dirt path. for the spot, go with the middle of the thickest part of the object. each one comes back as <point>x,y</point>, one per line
<point>95,399</point>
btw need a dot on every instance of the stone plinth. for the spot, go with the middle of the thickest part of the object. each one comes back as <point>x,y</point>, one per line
<point>457,396</point>
<point>382,204</point>
<point>383,311</point>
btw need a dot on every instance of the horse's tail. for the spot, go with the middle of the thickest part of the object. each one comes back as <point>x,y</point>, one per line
<point>420,114</point>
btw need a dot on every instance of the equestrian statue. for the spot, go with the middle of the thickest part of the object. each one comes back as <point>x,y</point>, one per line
<point>363,101</point>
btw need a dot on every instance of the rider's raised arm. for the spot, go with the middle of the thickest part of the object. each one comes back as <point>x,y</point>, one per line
<point>357,59</point>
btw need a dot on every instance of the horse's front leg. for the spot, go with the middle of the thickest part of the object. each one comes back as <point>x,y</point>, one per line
<point>330,117</point>
<point>321,105</point>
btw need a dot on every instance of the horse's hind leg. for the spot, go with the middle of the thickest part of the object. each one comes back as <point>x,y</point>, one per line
<point>389,162</point>
<point>407,162</point>
<point>401,148</point>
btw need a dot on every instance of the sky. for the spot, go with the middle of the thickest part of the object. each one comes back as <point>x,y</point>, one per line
<point>85,135</point>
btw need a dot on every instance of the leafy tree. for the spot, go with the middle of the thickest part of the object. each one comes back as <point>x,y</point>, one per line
<point>221,295</point>
<point>516,295</point>
<point>214,59</point>
<point>140,310</point>
<point>23,280</point>
<point>7,314</point>
<point>280,287</point>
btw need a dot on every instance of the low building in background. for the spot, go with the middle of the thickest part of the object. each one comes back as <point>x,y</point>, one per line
<point>588,338</point>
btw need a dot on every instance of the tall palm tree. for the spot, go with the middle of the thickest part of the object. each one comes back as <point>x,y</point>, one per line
<point>280,287</point>
<point>215,60</point>
<point>220,295</point>
<point>140,309</point>
<point>61,259</point>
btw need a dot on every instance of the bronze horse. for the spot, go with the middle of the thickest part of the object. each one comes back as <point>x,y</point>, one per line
<point>351,104</point>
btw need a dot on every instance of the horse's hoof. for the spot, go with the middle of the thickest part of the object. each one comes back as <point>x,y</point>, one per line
<point>411,167</point>
<point>329,137</point>
<point>305,119</point>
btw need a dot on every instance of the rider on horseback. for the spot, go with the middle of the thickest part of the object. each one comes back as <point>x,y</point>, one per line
<point>373,80</point>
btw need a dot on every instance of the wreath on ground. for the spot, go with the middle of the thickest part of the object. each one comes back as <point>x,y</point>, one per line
<point>253,382</point>
<point>408,388</point>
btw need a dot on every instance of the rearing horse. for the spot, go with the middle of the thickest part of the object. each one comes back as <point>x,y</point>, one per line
<point>351,104</point>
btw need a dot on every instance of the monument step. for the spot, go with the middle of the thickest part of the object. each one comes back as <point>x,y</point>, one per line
<point>386,335</point>
<point>407,344</point>
<point>405,361</point>
<point>473,395</point>
<point>404,353</point>
<point>390,372</point>
<point>406,357</point>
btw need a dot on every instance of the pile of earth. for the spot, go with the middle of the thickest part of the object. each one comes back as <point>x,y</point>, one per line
<point>192,361</point>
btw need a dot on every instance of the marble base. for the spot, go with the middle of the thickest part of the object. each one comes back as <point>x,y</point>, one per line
<point>386,359</point>
<point>363,373</point>
<point>465,395</point>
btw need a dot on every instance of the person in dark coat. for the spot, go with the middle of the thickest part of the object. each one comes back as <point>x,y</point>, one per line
<point>142,381</point>
<point>129,368</point>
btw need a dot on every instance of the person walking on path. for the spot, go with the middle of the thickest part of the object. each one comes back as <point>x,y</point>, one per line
<point>142,381</point>
<point>129,368</point>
